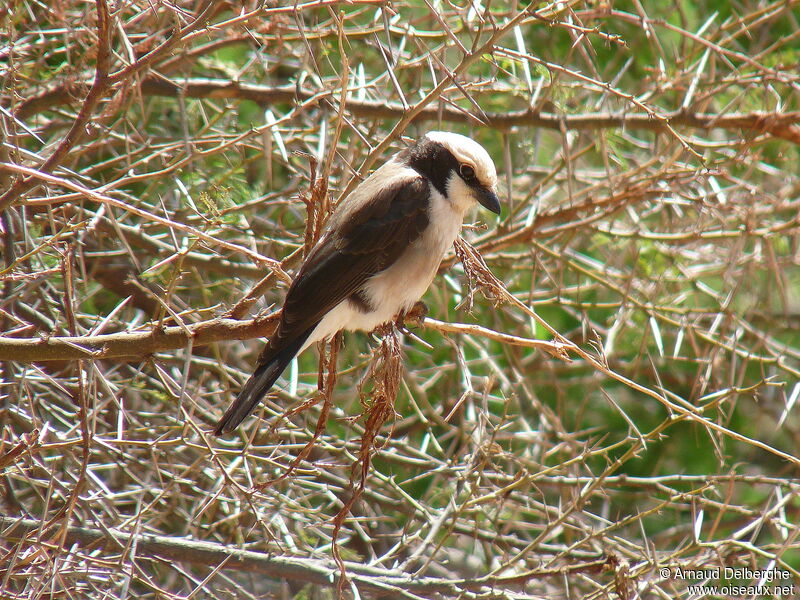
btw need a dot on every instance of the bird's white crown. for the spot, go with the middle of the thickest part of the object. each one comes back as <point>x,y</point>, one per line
<point>468,151</point>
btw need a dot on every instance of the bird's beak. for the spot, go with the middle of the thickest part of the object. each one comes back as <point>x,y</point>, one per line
<point>488,199</point>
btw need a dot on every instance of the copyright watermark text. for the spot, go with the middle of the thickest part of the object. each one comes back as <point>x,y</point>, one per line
<point>730,581</point>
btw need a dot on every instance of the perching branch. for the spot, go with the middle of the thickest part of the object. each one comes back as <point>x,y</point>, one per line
<point>140,344</point>
<point>133,345</point>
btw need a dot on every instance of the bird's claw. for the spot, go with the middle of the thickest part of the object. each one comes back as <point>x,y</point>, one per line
<point>414,316</point>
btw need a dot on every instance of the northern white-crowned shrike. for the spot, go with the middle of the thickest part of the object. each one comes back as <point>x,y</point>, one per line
<point>380,251</point>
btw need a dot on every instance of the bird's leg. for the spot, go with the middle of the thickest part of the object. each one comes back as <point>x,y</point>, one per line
<point>414,316</point>
<point>418,312</point>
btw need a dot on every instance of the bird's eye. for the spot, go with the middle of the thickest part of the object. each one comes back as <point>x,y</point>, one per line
<point>467,172</point>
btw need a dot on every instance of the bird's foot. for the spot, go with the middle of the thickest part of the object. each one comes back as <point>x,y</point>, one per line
<point>414,316</point>
<point>417,313</point>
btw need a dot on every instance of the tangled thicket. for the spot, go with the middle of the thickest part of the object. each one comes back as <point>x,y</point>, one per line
<point>619,401</point>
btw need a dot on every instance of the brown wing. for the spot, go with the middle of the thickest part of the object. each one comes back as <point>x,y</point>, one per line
<point>366,242</point>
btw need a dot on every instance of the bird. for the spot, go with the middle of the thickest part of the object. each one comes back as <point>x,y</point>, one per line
<point>379,252</point>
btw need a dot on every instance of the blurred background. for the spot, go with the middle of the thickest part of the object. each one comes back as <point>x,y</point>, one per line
<point>159,159</point>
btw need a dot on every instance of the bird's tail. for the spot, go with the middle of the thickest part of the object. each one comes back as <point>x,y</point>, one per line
<point>260,382</point>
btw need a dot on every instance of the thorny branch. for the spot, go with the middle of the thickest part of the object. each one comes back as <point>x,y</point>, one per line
<point>779,123</point>
<point>377,582</point>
